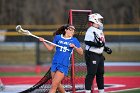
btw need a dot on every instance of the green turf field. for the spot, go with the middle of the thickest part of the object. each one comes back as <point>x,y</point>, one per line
<point>122,74</point>
<point>77,74</point>
<point>26,55</point>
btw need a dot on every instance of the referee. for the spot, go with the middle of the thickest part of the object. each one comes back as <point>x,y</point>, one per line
<point>95,45</point>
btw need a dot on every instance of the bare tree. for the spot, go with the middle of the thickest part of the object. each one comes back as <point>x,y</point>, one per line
<point>56,11</point>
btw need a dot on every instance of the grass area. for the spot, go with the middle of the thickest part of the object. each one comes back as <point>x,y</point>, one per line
<point>130,91</point>
<point>26,55</point>
<point>122,74</point>
<point>77,74</point>
<point>113,73</point>
<point>124,55</point>
<point>21,74</point>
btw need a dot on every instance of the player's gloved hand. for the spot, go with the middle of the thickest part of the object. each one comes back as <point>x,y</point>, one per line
<point>107,50</point>
<point>100,43</point>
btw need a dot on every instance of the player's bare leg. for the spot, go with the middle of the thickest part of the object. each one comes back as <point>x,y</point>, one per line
<point>56,82</point>
<point>60,87</point>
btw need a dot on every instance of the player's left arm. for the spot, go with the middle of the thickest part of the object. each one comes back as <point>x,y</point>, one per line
<point>79,50</point>
<point>49,47</point>
<point>76,45</point>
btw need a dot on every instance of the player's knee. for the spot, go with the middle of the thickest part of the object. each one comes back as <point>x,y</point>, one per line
<point>54,86</point>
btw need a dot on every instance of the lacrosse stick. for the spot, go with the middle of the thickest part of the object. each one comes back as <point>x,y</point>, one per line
<point>27,32</point>
<point>97,38</point>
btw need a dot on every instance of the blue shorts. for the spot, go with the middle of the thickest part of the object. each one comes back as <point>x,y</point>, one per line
<point>60,67</point>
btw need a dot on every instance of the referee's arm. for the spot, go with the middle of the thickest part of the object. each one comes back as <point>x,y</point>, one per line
<point>95,44</point>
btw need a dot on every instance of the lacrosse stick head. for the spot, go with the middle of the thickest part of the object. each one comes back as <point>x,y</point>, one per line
<point>22,31</point>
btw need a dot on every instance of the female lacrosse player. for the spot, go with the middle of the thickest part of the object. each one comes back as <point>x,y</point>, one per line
<point>95,45</point>
<point>61,60</point>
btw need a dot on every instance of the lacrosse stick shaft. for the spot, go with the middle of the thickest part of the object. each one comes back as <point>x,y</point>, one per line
<point>45,40</point>
<point>26,32</point>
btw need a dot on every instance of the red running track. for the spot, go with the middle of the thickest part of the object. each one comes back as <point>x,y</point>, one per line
<point>127,82</point>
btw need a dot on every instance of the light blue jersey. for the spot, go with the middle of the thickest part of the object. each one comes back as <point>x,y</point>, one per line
<point>62,56</point>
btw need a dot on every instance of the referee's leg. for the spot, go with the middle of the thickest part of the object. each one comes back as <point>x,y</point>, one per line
<point>91,71</point>
<point>100,75</point>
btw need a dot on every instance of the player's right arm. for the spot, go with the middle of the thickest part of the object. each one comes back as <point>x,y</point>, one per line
<point>49,47</point>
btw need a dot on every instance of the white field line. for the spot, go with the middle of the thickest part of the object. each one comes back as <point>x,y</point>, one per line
<point>79,87</point>
<point>123,90</point>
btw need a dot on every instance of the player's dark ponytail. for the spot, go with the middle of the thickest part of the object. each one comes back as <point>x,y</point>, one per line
<point>61,30</point>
